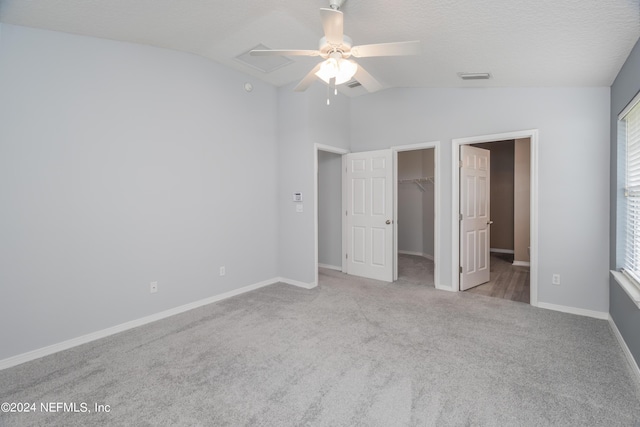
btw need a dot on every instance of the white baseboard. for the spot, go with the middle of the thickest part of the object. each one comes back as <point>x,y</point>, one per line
<point>330,267</point>
<point>297,283</point>
<point>65,345</point>
<point>502,251</point>
<point>573,310</point>
<point>521,263</point>
<point>427,256</point>
<point>625,349</point>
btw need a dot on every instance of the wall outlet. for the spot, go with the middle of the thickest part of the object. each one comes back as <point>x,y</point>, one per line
<point>223,271</point>
<point>153,287</point>
<point>555,279</point>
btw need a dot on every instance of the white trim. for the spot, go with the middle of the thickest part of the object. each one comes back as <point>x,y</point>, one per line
<point>330,267</point>
<point>322,147</point>
<point>625,349</point>
<point>573,310</point>
<point>394,256</point>
<point>410,253</point>
<point>420,254</point>
<point>437,217</point>
<point>629,106</point>
<point>629,287</point>
<point>65,345</point>
<point>297,283</point>
<point>532,134</point>
<point>502,251</point>
<point>521,263</point>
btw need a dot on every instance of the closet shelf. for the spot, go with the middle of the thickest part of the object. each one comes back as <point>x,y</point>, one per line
<point>417,181</point>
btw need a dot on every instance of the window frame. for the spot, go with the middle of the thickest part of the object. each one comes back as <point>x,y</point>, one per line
<point>626,277</point>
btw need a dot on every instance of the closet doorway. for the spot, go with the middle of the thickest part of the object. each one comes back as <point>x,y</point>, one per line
<point>416,228</point>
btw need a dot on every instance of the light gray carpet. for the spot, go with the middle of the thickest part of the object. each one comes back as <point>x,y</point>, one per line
<point>352,352</point>
<point>416,269</point>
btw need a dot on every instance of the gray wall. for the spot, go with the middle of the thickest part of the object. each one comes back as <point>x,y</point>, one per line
<point>428,204</point>
<point>573,128</point>
<point>122,164</point>
<point>304,119</point>
<point>330,209</point>
<point>522,199</point>
<point>624,312</point>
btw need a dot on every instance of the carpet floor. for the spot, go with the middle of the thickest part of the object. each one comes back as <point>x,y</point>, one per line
<point>352,352</point>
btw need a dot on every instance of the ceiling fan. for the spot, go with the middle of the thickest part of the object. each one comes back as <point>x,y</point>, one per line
<point>336,48</point>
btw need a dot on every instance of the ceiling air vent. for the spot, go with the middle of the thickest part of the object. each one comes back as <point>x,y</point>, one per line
<point>266,64</point>
<point>474,76</point>
<point>353,84</point>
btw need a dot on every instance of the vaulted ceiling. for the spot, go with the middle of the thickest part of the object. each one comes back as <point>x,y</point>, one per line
<point>520,42</point>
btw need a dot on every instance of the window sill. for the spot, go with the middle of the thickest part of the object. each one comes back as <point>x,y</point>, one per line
<point>629,287</point>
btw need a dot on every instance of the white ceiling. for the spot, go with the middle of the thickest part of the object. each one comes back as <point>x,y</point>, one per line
<point>520,42</point>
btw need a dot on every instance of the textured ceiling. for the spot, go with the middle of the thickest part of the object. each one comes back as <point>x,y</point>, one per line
<point>520,42</point>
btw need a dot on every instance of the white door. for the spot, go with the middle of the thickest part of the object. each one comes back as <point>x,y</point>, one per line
<point>369,214</point>
<point>475,216</point>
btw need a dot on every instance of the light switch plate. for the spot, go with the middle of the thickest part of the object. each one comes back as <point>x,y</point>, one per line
<point>299,208</point>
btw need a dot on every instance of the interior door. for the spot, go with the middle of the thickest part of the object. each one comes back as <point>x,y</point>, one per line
<point>369,214</point>
<point>475,220</point>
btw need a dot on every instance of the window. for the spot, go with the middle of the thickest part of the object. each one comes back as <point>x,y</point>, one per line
<point>629,132</point>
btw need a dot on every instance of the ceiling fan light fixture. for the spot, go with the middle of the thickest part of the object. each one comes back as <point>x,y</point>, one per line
<point>341,69</point>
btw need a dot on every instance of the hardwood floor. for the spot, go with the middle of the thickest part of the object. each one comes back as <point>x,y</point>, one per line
<point>507,281</point>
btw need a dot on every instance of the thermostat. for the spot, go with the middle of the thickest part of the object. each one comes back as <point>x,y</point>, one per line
<point>297,197</point>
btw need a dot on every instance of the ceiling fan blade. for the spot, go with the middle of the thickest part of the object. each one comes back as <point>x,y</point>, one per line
<point>366,80</point>
<point>387,49</point>
<point>283,52</point>
<point>308,79</point>
<point>333,25</point>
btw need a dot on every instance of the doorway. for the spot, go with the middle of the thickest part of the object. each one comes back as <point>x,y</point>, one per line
<point>417,219</point>
<point>416,211</point>
<point>513,203</point>
<point>509,237</point>
<point>329,227</point>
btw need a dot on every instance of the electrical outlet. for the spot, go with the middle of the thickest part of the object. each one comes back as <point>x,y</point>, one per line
<point>223,271</point>
<point>153,287</point>
<point>555,279</point>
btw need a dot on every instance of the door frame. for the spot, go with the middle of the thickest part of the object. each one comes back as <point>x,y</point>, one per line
<point>532,134</point>
<point>436,208</point>
<point>336,150</point>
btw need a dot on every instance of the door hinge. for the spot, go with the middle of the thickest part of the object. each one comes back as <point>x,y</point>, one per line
<point>346,256</point>
<point>460,217</point>
<point>460,163</point>
<point>346,213</point>
<point>460,269</point>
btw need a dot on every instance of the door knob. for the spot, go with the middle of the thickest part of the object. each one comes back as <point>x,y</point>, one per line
<point>489,222</point>
<point>388,221</point>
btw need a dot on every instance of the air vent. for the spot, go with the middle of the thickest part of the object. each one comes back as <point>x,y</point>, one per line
<point>353,84</point>
<point>266,64</point>
<point>474,76</point>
